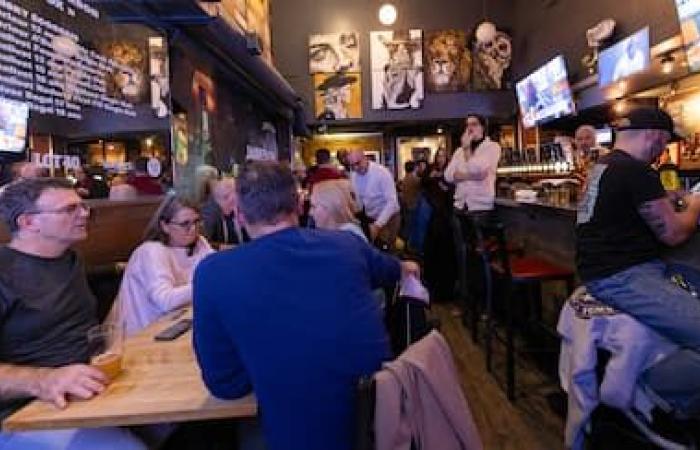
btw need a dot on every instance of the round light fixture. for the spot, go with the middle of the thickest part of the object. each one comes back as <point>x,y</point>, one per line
<point>387,14</point>
<point>486,31</point>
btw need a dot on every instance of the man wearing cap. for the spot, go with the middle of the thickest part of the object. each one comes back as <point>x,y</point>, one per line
<point>335,92</point>
<point>624,219</point>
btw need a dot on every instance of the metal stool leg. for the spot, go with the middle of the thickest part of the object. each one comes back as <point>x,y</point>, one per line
<point>510,349</point>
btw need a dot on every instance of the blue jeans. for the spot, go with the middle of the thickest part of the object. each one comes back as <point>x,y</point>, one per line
<point>646,292</point>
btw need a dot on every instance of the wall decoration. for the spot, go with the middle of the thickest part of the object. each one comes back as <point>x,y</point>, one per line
<point>338,96</point>
<point>490,60</point>
<point>160,76</point>
<point>258,22</point>
<point>127,80</point>
<point>397,69</point>
<point>448,61</point>
<point>336,52</point>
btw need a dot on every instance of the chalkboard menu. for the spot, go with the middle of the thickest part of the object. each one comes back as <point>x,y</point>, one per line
<point>80,74</point>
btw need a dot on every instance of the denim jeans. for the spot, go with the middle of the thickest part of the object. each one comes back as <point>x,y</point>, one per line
<point>646,292</point>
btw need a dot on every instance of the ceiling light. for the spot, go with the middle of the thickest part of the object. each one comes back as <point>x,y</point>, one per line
<point>387,14</point>
<point>668,63</point>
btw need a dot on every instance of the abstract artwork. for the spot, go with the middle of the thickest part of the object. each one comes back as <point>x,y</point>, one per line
<point>335,52</point>
<point>448,61</point>
<point>397,69</point>
<point>337,96</point>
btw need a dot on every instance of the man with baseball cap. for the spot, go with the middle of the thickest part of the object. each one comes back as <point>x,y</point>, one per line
<point>624,220</point>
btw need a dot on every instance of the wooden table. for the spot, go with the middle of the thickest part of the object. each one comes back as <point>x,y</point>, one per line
<point>160,383</point>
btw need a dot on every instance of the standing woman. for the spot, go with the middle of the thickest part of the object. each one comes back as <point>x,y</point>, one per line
<point>158,277</point>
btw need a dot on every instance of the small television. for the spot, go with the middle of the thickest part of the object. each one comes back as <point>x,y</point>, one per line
<point>14,116</point>
<point>689,17</point>
<point>545,94</point>
<point>604,136</point>
<point>628,57</point>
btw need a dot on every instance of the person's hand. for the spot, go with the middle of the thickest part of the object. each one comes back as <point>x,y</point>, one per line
<point>77,380</point>
<point>410,268</point>
<point>373,231</point>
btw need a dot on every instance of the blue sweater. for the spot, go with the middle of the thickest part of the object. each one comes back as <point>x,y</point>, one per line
<point>291,316</point>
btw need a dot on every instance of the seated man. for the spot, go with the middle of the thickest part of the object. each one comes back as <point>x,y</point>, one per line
<point>220,226</point>
<point>622,221</point>
<point>325,169</point>
<point>46,310</point>
<point>292,316</point>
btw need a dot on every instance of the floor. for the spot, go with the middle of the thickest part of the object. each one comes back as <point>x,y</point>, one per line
<point>528,424</point>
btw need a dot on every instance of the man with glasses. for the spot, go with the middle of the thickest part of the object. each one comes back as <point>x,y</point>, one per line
<point>46,309</point>
<point>376,194</point>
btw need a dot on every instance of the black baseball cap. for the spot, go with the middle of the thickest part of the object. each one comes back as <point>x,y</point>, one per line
<point>648,118</point>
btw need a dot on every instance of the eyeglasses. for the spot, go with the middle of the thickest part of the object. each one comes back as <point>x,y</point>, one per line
<point>187,224</point>
<point>71,209</point>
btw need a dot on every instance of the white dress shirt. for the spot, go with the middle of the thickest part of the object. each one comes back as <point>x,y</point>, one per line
<point>376,193</point>
<point>157,280</point>
<point>478,192</point>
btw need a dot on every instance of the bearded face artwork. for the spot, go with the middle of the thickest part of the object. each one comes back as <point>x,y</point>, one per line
<point>397,72</point>
<point>448,61</point>
<point>338,96</point>
<point>491,59</point>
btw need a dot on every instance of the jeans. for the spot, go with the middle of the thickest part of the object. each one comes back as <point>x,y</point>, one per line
<point>72,439</point>
<point>646,292</point>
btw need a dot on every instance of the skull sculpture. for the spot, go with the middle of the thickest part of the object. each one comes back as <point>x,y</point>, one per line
<point>491,59</point>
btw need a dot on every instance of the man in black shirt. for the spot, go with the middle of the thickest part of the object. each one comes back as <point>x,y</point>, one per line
<point>624,220</point>
<point>46,310</point>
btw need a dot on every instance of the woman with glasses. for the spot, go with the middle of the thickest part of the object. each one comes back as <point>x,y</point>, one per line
<point>158,277</point>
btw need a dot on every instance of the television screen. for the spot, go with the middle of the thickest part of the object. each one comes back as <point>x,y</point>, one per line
<point>13,126</point>
<point>627,57</point>
<point>689,16</point>
<point>603,136</point>
<point>545,94</point>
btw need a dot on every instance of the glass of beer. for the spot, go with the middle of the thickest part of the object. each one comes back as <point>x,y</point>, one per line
<point>106,347</point>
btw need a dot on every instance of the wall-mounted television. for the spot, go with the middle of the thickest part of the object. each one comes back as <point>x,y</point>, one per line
<point>13,129</point>
<point>627,57</point>
<point>689,17</point>
<point>545,94</point>
<point>604,136</point>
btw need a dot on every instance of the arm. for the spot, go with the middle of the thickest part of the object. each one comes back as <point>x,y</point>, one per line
<point>51,384</point>
<point>221,366</point>
<point>669,226</point>
<point>161,287</point>
<point>451,170</point>
<point>391,206</point>
<point>480,167</point>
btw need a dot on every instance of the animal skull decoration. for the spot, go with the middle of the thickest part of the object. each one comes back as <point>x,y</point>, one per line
<point>491,59</point>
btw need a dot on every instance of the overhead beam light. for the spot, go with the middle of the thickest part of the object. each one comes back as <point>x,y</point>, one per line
<point>387,14</point>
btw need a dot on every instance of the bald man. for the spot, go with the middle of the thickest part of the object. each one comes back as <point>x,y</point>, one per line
<point>376,194</point>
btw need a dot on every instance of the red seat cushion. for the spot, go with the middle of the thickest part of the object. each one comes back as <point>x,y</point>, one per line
<point>532,268</point>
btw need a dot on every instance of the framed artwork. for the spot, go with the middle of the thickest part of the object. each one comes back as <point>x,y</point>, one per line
<point>490,62</point>
<point>448,61</point>
<point>397,69</point>
<point>337,96</point>
<point>335,52</point>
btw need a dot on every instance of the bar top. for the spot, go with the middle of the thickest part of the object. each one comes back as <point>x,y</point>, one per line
<point>510,203</point>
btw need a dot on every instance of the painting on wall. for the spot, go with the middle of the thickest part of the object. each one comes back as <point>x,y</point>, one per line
<point>491,60</point>
<point>448,61</point>
<point>127,80</point>
<point>338,96</point>
<point>258,22</point>
<point>335,52</point>
<point>397,69</point>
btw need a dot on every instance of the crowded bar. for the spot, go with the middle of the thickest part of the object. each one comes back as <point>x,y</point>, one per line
<point>349,225</point>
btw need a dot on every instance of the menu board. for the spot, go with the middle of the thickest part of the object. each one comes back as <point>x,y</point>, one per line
<point>68,62</point>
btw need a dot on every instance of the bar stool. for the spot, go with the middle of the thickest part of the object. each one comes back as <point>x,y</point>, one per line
<point>507,270</point>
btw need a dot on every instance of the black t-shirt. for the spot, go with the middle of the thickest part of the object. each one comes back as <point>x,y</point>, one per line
<point>46,309</point>
<point>610,233</point>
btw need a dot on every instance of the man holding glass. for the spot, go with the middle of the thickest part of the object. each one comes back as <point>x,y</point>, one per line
<point>46,310</point>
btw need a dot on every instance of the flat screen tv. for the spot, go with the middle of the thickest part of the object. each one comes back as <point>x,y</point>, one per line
<point>13,129</point>
<point>689,17</point>
<point>545,94</point>
<point>627,57</point>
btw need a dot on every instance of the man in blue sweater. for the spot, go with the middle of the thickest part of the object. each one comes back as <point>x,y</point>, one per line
<point>291,316</point>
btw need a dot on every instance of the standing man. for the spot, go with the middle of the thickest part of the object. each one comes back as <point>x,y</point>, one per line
<point>377,197</point>
<point>473,170</point>
<point>325,169</point>
<point>46,309</point>
<point>623,220</point>
<point>292,314</point>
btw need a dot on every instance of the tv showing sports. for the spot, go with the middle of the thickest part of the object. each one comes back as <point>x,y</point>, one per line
<point>545,94</point>
<point>627,57</point>
<point>689,17</point>
<point>13,126</point>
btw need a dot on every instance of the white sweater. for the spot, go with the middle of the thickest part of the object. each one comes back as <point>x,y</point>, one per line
<point>478,192</point>
<point>157,280</point>
<point>376,193</point>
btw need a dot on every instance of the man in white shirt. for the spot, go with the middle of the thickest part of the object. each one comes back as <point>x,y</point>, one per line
<point>376,195</point>
<point>631,61</point>
<point>473,168</point>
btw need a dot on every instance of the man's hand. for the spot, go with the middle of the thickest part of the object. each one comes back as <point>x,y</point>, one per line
<point>410,268</point>
<point>77,380</point>
<point>373,231</point>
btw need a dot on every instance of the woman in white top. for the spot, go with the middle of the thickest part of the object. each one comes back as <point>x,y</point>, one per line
<point>473,168</point>
<point>158,277</point>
